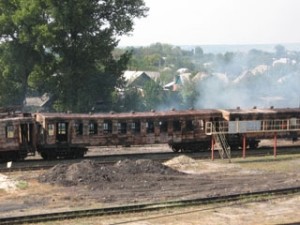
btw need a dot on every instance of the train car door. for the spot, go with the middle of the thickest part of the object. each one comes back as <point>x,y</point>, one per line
<point>27,137</point>
<point>26,133</point>
<point>62,132</point>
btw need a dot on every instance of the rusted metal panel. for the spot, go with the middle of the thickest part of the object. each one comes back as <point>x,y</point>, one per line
<point>243,126</point>
<point>205,113</point>
<point>123,133</point>
<point>10,140</point>
<point>260,114</point>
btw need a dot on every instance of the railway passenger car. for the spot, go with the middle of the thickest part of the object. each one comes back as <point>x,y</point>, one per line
<point>60,135</point>
<point>17,137</point>
<point>259,124</point>
<point>69,135</point>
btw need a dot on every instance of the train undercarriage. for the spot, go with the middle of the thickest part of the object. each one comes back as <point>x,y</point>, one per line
<point>196,146</point>
<point>234,141</point>
<point>66,152</point>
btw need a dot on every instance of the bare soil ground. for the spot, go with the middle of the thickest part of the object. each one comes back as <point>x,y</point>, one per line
<point>88,184</point>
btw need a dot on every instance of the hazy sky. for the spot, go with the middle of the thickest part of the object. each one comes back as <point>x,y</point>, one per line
<point>200,22</point>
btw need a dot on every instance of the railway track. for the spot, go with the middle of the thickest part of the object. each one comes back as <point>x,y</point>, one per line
<point>39,164</point>
<point>250,197</point>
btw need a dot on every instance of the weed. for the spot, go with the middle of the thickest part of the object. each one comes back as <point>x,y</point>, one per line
<point>22,185</point>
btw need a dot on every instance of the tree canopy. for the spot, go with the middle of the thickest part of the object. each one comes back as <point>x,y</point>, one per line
<point>64,48</point>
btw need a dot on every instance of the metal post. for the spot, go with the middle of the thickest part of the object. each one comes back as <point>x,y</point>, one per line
<point>275,144</point>
<point>244,146</point>
<point>212,147</point>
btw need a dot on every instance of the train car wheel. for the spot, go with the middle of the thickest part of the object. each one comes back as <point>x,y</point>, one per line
<point>48,155</point>
<point>175,149</point>
<point>253,145</point>
<point>9,156</point>
<point>44,155</point>
<point>80,154</point>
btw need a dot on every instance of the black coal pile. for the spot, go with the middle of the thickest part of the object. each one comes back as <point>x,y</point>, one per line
<point>88,172</point>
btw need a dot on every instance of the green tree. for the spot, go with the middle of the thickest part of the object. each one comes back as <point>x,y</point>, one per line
<point>189,94</point>
<point>133,100</point>
<point>21,34</point>
<point>159,56</point>
<point>76,37</point>
<point>257,57</point>
<point>153,95</point>
<point>280,51</point>
<point>198,52</point>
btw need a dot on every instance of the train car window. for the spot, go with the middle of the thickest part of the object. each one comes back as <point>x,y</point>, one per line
<point>9,131</point>
<point>189,125</point>
<point>163,125</point>
<point>78,128</point>
<point>136,127</point>
<point>150,126</point>
<point>269,125</point>
<point>278,124</point>
<point>297,124</point>
<point>122,127</point>
<point>176,125</point>
<point>61,128</point>
<point>50,128</point>
<point>93,128</point>
<point>293,123</point>
<point>201,124</point>
<point>107,126</point>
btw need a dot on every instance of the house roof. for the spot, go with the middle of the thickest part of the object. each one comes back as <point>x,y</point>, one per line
<point>37,101</point>
<point>140,81</point>
<point>200,76</point>
<point>130,76</point>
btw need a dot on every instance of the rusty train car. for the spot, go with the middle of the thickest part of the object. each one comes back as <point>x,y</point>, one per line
<point>257,124</point>
<point>70,134</point>
<point>67,135</point>
<point>17,137</point>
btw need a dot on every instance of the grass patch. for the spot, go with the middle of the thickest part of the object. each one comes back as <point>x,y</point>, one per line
<point>22,185</point>
<point>2,191</point>
<point>282,163</point>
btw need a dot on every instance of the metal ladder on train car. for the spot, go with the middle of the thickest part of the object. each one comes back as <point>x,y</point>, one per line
<point>224,148</point>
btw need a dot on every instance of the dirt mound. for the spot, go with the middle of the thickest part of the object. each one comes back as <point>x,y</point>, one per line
<point>183,163</point>
<point>144,166</point>
<point>89,172</point>
<point>180,160</point>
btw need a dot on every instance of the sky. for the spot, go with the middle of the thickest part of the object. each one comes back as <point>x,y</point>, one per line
<point>210,22</point>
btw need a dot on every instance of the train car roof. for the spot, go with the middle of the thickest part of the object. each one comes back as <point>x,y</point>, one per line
<point>231,113</point>
<point>204,112</point>
<point>16,118</point>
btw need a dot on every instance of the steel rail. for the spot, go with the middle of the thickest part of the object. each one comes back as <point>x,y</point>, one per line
<point>46,217</point>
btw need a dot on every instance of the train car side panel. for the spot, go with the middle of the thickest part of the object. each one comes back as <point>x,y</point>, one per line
<point>17,138</point>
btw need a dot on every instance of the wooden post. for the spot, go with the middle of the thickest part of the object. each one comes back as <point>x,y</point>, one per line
<point>275,145</point>
<point>212,147</point>
<point>244,146</point>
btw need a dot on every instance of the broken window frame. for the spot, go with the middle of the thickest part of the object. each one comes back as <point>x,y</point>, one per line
<point>78,128</point>
<point>107,126</point>
<point>93,128</point>
<point>9,131</point>
<point>50,129</point>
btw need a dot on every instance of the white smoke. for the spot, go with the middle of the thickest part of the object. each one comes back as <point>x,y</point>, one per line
<point>260,87</point>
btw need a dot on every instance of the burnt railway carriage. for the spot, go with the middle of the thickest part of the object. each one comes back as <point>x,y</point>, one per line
<point>187,129</point>
<point>258,124</point>
<point>59,136</point>
<point>17,137</point>
<point>62,135</point>
<point>69,135</point>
